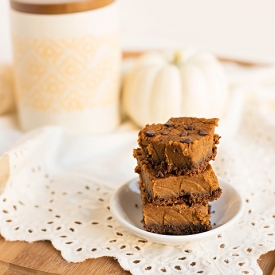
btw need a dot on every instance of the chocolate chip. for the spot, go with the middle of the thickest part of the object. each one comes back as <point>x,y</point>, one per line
<point>150,133</point>
<point>184,134</point>
<point>187,140</point>
<point>169,123</point>
<point>159,175</point>
<point>202,133</point>
<point>165,133</point>
<point>189,127</point>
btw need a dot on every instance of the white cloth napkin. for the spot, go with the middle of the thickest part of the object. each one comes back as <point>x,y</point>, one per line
<point>107,159</point>
<point>57,186</point>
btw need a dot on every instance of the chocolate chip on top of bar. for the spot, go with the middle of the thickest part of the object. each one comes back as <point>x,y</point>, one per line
<point>150,133</point>
<point>202,132</point>
<point>169,123</point>
<point>187,140</point>
<point>189,127</point>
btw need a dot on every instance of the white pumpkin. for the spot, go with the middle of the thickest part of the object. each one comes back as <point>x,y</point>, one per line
<point>163,85</point>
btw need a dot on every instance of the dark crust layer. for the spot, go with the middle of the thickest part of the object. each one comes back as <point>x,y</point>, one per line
<point>185,229</point>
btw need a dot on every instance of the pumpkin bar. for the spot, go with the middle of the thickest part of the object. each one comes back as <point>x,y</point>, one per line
<point>176,219</point>
<point>169,189</point>
<point>182,145</point>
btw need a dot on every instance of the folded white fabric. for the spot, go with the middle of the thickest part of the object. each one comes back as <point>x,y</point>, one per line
<point>107,159</point>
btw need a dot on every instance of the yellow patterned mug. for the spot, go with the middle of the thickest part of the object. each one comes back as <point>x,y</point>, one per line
<point>67,63</point>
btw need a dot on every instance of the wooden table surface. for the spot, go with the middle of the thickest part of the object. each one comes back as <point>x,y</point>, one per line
<point>42,258</point>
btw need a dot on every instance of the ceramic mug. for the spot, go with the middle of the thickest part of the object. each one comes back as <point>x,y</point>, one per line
<point>67,63</point>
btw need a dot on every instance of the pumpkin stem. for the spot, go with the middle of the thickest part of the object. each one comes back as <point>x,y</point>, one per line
<point>177,59</point>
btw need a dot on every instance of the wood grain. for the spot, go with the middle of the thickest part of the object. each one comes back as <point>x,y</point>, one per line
<point>267,263</point>
<point>42,258</point>
<point>57,7</point>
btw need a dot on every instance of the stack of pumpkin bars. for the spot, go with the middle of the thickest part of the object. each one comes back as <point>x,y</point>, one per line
<point>176,180</point>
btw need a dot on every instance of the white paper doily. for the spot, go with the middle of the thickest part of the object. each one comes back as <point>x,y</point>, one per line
<point>59,186</point>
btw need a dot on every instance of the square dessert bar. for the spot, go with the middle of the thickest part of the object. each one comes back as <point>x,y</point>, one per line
<point>169,189</point>
<point>182,145</point>
<point>176,219</point>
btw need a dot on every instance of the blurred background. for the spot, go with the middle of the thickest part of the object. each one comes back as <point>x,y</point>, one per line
<point>242,30</point>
